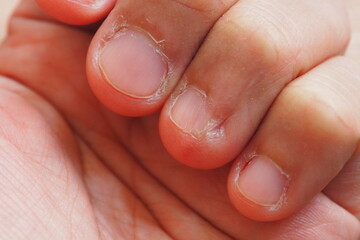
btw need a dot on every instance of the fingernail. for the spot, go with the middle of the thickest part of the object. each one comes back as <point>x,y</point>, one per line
<point>262,181</point>
<point>190,112</point>
<point>132,64</point>
<point>91,3</point>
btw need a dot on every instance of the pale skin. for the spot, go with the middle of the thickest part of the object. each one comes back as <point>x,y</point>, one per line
<point>73,169</point>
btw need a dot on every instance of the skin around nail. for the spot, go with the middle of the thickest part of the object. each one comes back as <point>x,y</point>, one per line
<point>133,64</point>
<point>263,182</point>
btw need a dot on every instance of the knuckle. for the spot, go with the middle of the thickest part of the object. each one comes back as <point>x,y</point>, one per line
<point>323,122</point>
<point>311,126</point>
<point>257,38</point>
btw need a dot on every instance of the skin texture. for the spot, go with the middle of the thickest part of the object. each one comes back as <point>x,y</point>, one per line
<point>71,169</point>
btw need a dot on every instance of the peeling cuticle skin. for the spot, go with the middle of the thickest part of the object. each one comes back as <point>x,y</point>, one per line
<point>121,28</point>
<point>240,166</point>
<point>202,124</point>
<point>213,130</point>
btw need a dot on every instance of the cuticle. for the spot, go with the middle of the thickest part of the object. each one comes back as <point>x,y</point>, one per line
<point>245,161</point>
<point>215,128</point>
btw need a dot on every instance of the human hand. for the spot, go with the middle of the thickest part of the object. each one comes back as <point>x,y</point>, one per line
<point>97,173</point>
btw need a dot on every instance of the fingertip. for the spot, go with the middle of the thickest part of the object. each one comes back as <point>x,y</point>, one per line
<point>77,12</point>
<point>128,72</point>
<point>196,150</point>
<point>118,102</point>
<point>257,189</point>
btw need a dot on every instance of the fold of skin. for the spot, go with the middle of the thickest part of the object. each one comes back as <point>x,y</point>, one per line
<point>70,169</point>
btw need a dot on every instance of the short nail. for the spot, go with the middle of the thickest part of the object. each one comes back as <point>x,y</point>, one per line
<point>262,181</point>
<point>133,64</point>
<point>91,3</point>
<point>190,112</point>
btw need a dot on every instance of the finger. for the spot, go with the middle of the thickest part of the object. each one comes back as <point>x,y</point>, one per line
<point>77,12</point>
<point>311,131</point>
<point>344,189</point>
<point>142,49</point>
<point>320,219</point>
<point>252,52</point>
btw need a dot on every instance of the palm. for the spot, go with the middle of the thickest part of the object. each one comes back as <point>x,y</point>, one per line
<point>86,173</point>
